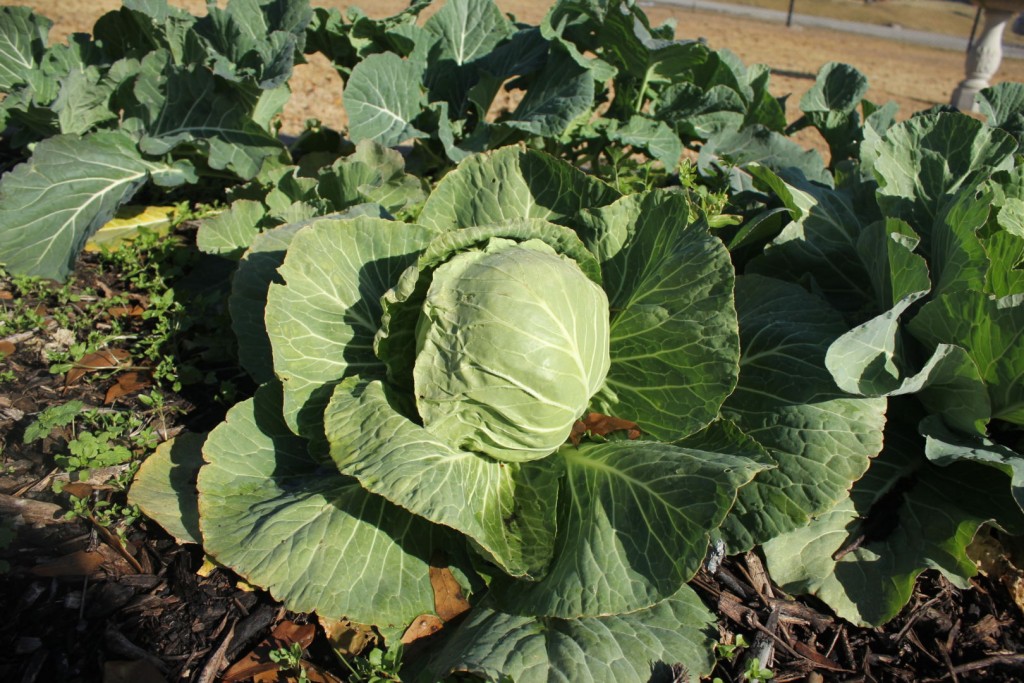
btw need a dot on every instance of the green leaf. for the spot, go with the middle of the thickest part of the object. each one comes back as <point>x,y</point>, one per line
<point>511,183</point>
<point>628,647</point>
<point>756,143</point>
<point>822,439</point>
<point>191,106</point>
<point>373,173</point>
<point>931,516</point>
<point>141,26</point>
<point>165,486</point>
<point>831,107</point>
<point>560,93</point>
<point>23,38</point>
<point>925,161</point>
<point>83,102</point>
<point>467,30</point>
<point>322,321</point>
<point>944,447</point>
<point>1003,107</point>
<point>230,232</point>
<point>837,87</point>
<point>866,360</point>
<point>654,137</point>
<point>674,337</point>
<point>70,187</point>
<point>382,97</point>
<point>887,250</point>
<point>506,508</point>
<point>634,521</point>
<point>255,41</point>
<point>247,302</point>
<point>316,540</point>
<point>821,242</point>
<point>991,331</point>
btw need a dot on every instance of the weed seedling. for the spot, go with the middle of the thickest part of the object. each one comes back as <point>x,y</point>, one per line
<point>290,659</point>
<point>378,666</point>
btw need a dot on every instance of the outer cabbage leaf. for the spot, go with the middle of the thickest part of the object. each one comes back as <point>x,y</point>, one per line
<point>944,447</point>
<point>315,539</point>
<point>322,321</point>
<point>165,486</point>
<point>634,522</point>
<point>512,183</point>
<point>506,508</point>
<point>674,336</point>
<point>654,137</point>
<point>758,144</point>
<point>933,515</point>
<point>372,173</point>
<point>991,331</point>
<point>254,40</point>
<point>1003,107</point>
<point>629,647</point>
<point>247,302</point>
<point>822,439</point>
<point>467,30</point>
<point>141,26</point>
<point>831,107</point>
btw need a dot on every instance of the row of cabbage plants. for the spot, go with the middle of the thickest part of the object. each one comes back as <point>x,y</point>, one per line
<point>447,308</point>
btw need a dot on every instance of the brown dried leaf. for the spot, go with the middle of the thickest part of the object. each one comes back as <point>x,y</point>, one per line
<point>125,311</point>
<point>602,425</point>
<point>347,637</point>
<point>128,383</point>
<point>449,602</point>
<point>84,563</point>
<point>78,489</point>
<point>100,360</point>
<point>7,348</point>
<point>812,655</point>
<point>422,626</point>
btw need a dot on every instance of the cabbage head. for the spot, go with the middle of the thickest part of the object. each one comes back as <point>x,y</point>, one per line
<point>430,400</point>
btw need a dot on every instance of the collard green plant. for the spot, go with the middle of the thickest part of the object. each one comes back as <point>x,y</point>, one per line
<point>925,268</point>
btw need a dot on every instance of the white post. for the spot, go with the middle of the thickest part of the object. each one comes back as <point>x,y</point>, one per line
<point>983,59</point>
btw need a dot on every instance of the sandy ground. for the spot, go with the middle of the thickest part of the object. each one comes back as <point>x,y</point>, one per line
<point>915,77</point>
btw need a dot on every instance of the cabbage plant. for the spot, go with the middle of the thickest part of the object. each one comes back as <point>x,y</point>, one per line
<point>422,410</point>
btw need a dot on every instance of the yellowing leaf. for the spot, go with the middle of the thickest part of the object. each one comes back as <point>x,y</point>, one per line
<point>126,224</point>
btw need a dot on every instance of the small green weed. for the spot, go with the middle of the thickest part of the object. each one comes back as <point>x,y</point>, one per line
<point>98,438</point>
<point>377,666</point>
<point>290,659</point>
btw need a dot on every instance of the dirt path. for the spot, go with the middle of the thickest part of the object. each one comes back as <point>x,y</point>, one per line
<point>915,77</point>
